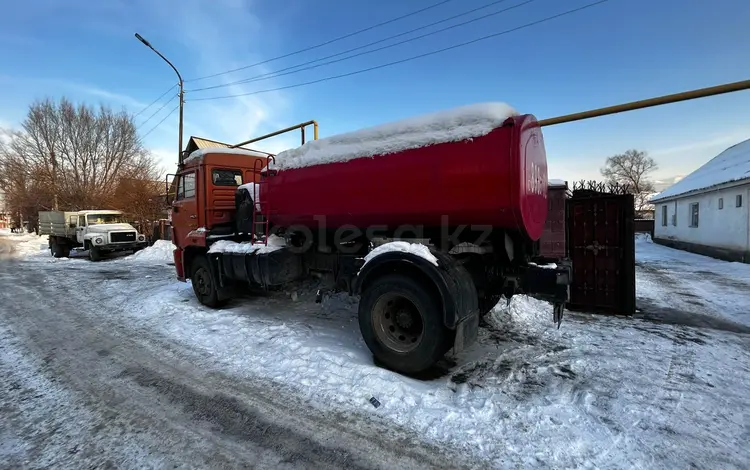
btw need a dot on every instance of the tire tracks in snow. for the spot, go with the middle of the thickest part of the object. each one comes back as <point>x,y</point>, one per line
<point>681,365</point>
<point>151,391</point>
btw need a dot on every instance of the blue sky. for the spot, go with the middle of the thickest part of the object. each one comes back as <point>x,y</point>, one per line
<point>619,51</point>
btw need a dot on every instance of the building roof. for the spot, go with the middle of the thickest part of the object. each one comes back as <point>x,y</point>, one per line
<point>733,164</point>
<point>198,143</point>
<point>556,182</point>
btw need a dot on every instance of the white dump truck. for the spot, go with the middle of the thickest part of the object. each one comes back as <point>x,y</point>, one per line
<point>98,231</point>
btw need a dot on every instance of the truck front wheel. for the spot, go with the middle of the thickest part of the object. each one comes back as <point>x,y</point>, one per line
<point>401,323</point>
<point>94,254</point>
<point>203,283</point>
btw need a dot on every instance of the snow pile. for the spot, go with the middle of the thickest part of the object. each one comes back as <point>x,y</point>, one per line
<point>159,252</point>
<point>444,126</point>
<point>544,266</point>
<point>200,153</point>
<point>643,237</point>
<point>226,246</point>
<point>732,164</point>
<point>403,247</point>
<point>524,314</point>
<point>197,232</point>
<point>26,244</point>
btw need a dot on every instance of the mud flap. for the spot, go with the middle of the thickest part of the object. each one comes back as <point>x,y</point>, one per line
<point>466,332</point>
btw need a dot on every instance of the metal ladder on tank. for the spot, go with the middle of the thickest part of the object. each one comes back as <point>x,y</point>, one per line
<point>261,208</point>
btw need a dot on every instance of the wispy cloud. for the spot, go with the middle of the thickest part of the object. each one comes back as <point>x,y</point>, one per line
<point>217,35</point>
<point>201,38</point>
<point>711,143</point>
<point>128,101</point>
<point>685,158</point>
<point>81,88</point>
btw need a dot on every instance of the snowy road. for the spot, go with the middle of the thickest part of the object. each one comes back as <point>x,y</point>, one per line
<point>696,284</point>
<point>82,390</point>
<point>115,363</point>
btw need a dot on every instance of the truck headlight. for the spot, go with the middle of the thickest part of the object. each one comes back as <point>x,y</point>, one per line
<point>98,241</point>
<point>141,238</point>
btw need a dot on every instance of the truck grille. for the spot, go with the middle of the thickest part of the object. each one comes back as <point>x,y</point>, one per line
<point>120,237</point>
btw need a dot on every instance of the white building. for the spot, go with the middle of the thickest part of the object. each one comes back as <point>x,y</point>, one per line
<point>708,211</point>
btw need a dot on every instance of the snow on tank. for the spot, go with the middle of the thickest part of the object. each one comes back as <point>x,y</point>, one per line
<point>451,125</point>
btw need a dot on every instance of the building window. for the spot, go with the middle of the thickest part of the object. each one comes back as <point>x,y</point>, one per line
<point>721,203</point>
<point>694,214</point>
<point>738,202</point>
<point>664,216</point>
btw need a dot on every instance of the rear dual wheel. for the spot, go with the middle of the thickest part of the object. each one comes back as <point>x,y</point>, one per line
<point>401,323</point>
<point>59,250</point>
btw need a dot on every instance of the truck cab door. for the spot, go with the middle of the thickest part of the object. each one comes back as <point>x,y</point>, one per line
<point>185,208</point>
<point>80,228</point>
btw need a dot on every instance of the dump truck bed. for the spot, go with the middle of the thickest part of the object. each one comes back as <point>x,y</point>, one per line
<point>56,223</point>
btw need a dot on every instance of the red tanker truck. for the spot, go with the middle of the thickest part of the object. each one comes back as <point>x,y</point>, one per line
<point>429,220</point>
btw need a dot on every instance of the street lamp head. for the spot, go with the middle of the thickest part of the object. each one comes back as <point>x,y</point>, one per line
<point>140,38</point>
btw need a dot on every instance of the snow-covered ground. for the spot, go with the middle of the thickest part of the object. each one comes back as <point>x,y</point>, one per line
<point>695,283</point>
<point>600,392</point>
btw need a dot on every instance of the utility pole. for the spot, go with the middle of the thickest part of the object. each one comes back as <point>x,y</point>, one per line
<point>182,91</point>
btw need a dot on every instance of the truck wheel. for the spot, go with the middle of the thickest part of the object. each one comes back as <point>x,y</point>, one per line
<point>402,324</point>
<point>94,254</point>
<point>203,284</point>
<point>56,250</point>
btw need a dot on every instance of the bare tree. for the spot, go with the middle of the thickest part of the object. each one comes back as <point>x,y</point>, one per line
<point>71,156</point>
<point>142,200</point>
<point>632,168</point>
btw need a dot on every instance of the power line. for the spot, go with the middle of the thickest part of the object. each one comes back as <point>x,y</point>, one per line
<point>160,122</point>
<point>445,49</point>
<point>155,101</point>
<point>278,73</point>
<point>155,113</point>
<point>331,41</point>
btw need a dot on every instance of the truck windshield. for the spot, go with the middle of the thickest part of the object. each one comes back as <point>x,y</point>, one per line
<point>94,219</point>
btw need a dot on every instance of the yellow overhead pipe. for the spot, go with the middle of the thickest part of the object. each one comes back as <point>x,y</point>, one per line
<point>667,99</point>
<point>300,126</point>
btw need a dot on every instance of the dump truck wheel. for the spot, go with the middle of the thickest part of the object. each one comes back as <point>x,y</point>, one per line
<point>203,284</point>
<point>401,323</point>
<point>94,254</point>
<point>58,250</point>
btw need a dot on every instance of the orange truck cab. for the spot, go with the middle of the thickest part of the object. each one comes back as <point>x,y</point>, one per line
<point>205,196</point>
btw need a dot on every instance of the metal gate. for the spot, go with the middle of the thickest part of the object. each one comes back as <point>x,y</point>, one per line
<point>601,246</point>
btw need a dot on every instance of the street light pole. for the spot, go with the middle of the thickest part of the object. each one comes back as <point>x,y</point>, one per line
<point>182,90</point>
